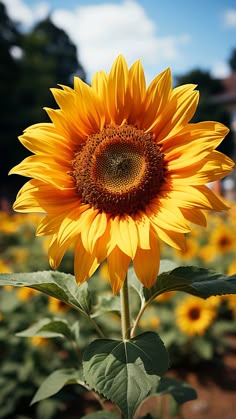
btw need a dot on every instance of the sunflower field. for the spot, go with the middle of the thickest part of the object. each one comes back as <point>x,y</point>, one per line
<point>194,330</point>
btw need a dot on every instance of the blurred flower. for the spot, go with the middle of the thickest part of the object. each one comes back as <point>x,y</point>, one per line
<point>57,306</point>
<point>19,254</point>
<point>223,239</point>
<point>104,272</point>
<point>25,293</point>
<point>194,316</point>
<point>214,301</point>
<point>207,253</point>
<point>8,287</point>
<point>190,251</point>
<point>232,268</point>
<point>231,302</point>
<point>119,168</point>
<point>162,298</point>
<point>4,268</point>
<point>150,320</point>
<point>38,341</point>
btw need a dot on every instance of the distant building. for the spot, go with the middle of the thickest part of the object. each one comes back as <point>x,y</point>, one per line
<point>227,99</point>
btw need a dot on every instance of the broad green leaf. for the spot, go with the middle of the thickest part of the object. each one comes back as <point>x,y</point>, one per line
<point>201,282</point>
<point>125,371</point>
<point>55,382</point>
<point>106,304</point>
<point>57,284</point>
<point>48,328</point>
<point>182,392</point>
<point>102,414</point>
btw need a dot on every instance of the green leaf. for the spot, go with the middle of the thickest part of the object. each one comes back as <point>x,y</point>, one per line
<point>48,328</point>
<point>125,371</point>
<point>102,414</point>
<point>107,304</point>
<point>201,282</point>
<point>56,284</point>
<point>180,391</point>
<point>55,382</point>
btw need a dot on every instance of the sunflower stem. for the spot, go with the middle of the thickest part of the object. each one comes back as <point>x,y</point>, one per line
<point>125,312</point>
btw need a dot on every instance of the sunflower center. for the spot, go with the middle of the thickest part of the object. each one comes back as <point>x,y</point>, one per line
<point>194,313</point>
<point>118,170</point>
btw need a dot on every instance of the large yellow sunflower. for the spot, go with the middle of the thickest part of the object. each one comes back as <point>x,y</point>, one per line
<point>118,168</point>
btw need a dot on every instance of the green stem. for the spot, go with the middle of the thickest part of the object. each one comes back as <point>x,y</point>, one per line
<point>87,316</point>
<point>95,325</point>
<point>141,311</point>
<point>125,314</point>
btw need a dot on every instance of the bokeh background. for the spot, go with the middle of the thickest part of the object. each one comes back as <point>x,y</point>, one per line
<point>45,43</point>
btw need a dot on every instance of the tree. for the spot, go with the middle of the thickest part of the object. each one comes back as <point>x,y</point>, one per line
<point>232,60</point>
<point>9,78</point>
<point>48,57</point>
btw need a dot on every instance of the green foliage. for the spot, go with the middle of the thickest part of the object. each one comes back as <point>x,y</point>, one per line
<point>46,57</point>
<point>125,371</point>
<point>193,280</point>
<point>49,328</point>
<point>102,415</point>
<point>57,284</point>
<point>55,382</point>
<point>179,390</point>
<point>129,373</point>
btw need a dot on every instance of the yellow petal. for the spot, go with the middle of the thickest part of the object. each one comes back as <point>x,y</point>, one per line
<point>168,218</point>
<point>85,264</point>
<point>172,238</point>
<point>94,229</point>
<point>147,261</point>
<point>194,216</point>
<point>157,97</point>
<point>49,225</point>
<point>56,251</point>
<point>91,115</point>
<point>124,231</point>
<point>143,228</point>
<point>45,169</point>
<point>117,91</point>
<point>118,263</point>
<point>178,112</point>
<point>75,220</point>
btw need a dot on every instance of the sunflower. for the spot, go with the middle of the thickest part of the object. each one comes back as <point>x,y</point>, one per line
<point>57,306</point>
<point>194,315</point>
<point>223,239</point>
<point>118,168</point>
<point>25,293</point>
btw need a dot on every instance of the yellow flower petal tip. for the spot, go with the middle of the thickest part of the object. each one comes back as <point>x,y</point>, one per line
<point>120,167</point>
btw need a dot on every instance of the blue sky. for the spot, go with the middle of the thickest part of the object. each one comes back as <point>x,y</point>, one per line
<point>163,33</point>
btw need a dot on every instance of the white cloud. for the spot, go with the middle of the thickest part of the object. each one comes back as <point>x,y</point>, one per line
<point>20,12</point>
<point>103,31</point>
<point>220,70</point>
<point>230,18</point>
